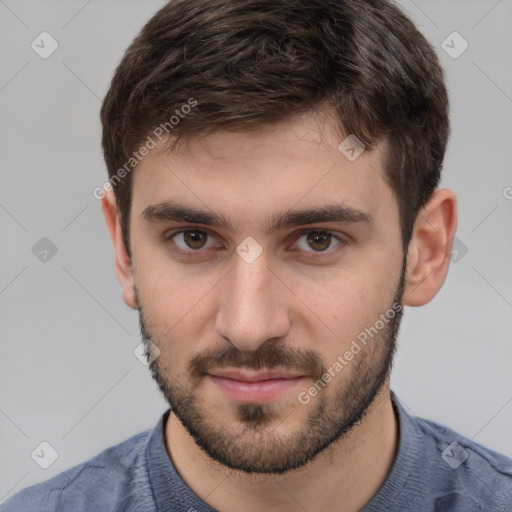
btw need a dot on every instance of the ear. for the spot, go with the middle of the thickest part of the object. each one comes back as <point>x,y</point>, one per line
<point>123,263</point>
<point>428,256</point>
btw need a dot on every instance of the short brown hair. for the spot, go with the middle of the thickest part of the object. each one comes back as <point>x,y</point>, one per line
<point>246,63</point>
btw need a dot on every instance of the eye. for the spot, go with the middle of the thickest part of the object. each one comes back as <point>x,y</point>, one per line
<point>191,240</point>
<point>320,241</point>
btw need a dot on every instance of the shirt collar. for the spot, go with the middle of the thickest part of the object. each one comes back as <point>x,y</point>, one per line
<point>170,491</point>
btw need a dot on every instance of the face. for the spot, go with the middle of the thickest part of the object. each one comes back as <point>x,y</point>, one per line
<point>269,274</point>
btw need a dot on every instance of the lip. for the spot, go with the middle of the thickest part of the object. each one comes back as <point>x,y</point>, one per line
<point>254,375</point>
<point>261,386</point>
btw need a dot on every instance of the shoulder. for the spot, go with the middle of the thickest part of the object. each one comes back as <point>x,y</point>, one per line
<point>466,470</point>
<point>105,479</point>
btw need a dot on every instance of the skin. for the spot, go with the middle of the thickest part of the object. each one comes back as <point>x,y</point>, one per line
<point>284,298</point>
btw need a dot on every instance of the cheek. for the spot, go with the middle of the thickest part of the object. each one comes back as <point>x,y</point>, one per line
<point>343,312</point>
<point>177,307</point>
<point>171,289</point>
<point>340,311</point>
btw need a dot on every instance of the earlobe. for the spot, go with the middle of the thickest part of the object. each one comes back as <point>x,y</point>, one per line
<point>430,248</point>
<point>123,263</point>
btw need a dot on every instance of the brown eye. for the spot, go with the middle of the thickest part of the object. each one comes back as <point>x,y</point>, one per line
<point>319,241</point>
<point>195,239</point>
<point>190,239</point>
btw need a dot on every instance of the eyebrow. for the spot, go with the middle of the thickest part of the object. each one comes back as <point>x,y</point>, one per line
<point>172,212</point>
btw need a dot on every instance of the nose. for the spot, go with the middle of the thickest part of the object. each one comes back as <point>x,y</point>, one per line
<point>252,305</point>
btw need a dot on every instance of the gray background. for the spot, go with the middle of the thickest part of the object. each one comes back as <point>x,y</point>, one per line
<point>68,375</point>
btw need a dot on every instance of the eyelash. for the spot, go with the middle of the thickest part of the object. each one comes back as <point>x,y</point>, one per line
<point>313,255</point>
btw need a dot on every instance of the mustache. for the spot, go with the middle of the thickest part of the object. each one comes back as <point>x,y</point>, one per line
<point>267,356</point>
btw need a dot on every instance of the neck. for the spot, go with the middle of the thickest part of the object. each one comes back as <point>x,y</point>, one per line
<point>348,473</point>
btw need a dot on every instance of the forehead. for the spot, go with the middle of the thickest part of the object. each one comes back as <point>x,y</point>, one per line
<point>292,164</point>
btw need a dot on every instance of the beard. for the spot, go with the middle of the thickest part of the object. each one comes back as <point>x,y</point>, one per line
<point>258,448</point>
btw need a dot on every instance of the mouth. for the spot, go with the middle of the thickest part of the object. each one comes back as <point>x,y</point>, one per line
<point>256,387</point>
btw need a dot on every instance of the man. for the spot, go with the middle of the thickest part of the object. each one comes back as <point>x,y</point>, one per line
<point>273,205</point>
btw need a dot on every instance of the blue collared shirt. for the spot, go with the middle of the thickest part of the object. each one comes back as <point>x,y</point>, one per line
<point>435,469</point>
